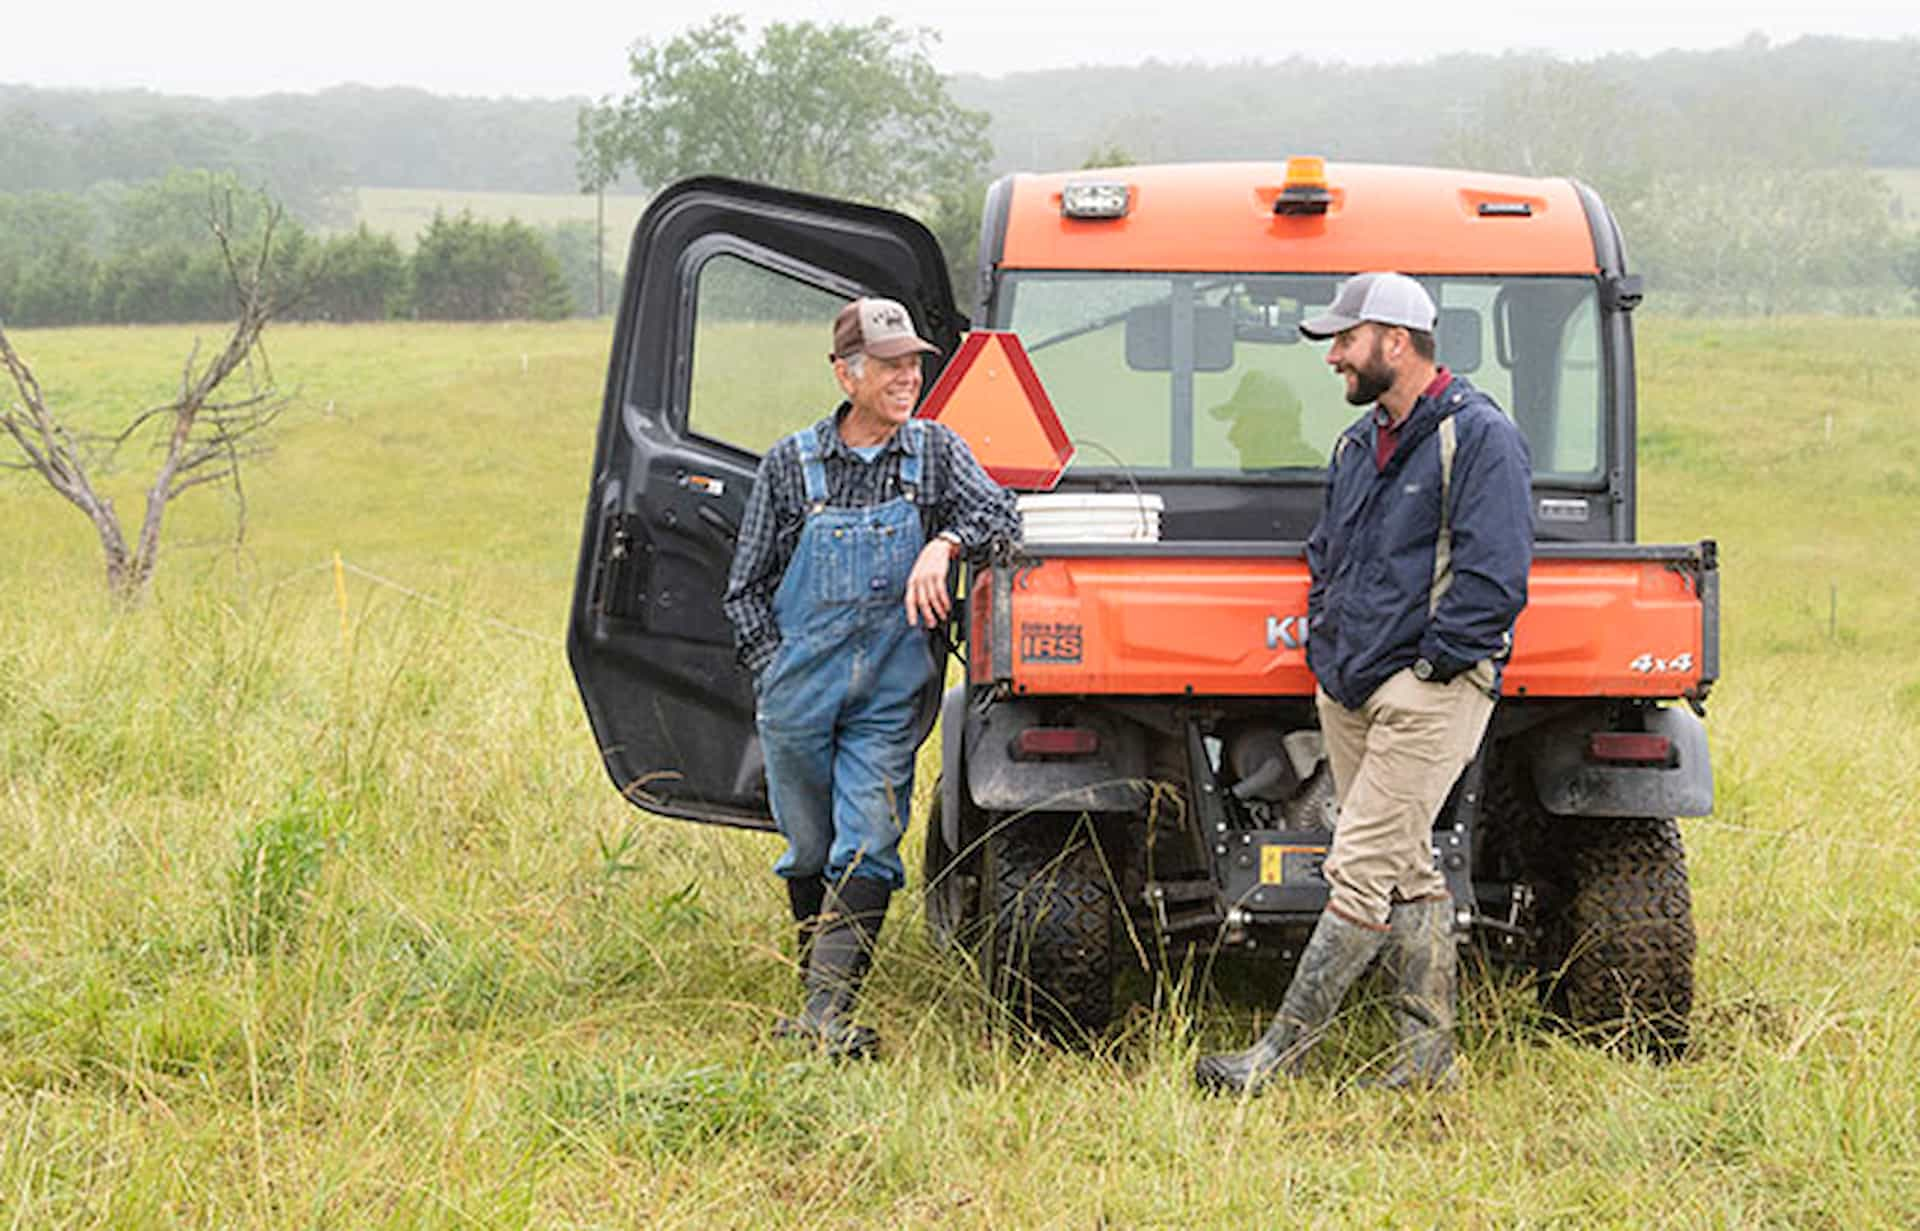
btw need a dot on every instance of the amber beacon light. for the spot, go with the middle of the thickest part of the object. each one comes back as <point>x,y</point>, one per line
<point>1305,190</point>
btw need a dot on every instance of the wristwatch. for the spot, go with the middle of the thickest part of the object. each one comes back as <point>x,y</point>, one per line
<point>1422,669</point>
<point>951,537</point>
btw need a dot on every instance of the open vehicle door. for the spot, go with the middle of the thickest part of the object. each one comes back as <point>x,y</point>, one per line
<point>720,350</point>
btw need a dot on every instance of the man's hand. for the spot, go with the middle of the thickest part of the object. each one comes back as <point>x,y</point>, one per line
<point>927,595</point>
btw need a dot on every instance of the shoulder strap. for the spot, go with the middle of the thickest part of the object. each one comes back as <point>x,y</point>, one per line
<point>1443,542</point>
<point>813,474</point>
<point>910,464</point>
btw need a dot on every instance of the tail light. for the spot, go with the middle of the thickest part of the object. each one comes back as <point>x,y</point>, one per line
<point>1036,743</point>
<point>1629,748</point>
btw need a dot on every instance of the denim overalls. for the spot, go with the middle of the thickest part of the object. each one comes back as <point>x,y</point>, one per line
<point>836,706</point>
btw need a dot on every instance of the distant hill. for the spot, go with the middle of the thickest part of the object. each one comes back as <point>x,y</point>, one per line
<point>1858,99</point>
<point>1740,175</point>
<point>67,140</point>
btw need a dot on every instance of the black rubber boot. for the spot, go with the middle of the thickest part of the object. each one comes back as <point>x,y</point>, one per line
<point>849,927</point>
<point>1424,964</point>
<point>805,895</point>
<point>1336,955</point>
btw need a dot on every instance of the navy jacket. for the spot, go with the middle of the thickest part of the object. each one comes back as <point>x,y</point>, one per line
<point>1372,554</point>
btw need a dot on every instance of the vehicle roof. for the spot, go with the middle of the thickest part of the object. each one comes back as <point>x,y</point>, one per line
<point>1219,216</point>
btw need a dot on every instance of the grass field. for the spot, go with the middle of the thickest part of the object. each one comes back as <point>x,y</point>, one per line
<point>405,212</point>
<point>330,918</point>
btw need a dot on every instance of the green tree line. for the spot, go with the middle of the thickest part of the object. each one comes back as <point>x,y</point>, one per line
<point>1736,200</point>
<point>308,150</point>
<point>1860,97</point>
<point>71,142</point>
<point>1744,177</point>
<point>1864,92</point>
<point>143,255</point>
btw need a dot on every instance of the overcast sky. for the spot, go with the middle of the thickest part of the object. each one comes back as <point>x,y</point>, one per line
<point>225,48</point>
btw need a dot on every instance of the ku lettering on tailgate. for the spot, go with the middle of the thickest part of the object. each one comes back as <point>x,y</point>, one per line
<point>1290,631</point>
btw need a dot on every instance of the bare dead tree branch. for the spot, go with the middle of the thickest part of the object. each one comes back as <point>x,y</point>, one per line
<point>201,480</point>
<point>45,442</point>
<point>202,436</point>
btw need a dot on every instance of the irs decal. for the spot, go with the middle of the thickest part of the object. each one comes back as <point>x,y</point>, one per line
<point>1050,643</point>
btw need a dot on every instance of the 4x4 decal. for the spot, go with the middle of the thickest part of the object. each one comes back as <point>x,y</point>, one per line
<point>1648,664</point>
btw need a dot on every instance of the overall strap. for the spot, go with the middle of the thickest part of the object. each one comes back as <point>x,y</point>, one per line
<point>914,439</point>
<point>1443,542</point>
<point>812,472</point>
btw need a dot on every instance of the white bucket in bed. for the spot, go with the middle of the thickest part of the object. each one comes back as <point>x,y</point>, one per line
<point>1089,517</point>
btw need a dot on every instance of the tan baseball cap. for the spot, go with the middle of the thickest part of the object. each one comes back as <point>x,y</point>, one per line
<point>879,327</point>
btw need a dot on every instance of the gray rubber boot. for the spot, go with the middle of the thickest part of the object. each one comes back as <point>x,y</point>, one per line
<point>849,927</point>
<point>1424,963</point>
<point>1335,956</point>
<point>805,895</point>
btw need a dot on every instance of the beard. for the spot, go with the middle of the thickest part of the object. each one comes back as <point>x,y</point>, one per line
<point>1370,380</point>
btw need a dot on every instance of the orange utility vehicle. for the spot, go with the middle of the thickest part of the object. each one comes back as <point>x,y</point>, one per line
<point>1131,764</point>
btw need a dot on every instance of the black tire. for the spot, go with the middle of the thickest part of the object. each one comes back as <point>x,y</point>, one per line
<point>1514,845</point>
<point>950,886</point>
<point>1053,922</point>
<point>1616,954</point>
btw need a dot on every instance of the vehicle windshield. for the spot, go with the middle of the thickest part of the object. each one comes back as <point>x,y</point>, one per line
<point>1208,373</point>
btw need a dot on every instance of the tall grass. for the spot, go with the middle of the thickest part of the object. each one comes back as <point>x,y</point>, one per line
<point>323,925</point>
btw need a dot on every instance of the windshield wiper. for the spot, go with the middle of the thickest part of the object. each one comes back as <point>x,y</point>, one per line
<point>1093,326</point>
<point>1114,318</point>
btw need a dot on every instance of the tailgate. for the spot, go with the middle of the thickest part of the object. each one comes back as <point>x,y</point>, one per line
<point>1229,619</point>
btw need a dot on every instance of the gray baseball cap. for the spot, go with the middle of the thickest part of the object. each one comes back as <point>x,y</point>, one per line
<point>1386,299</point>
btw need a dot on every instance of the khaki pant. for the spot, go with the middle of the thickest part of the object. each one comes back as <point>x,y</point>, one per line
<point>1394,759</point>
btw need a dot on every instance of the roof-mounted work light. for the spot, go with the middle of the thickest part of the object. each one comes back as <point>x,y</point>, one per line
<point>1096,199</point>
<point>1305,190</point>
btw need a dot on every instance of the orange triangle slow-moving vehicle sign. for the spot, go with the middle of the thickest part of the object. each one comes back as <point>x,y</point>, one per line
<point>990,395</point>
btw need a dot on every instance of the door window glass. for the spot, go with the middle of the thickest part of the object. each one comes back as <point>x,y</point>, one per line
<point>1577,444</point>
<point>760,346</point>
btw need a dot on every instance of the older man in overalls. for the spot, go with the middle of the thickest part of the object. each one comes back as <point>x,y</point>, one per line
<point>839,574</point>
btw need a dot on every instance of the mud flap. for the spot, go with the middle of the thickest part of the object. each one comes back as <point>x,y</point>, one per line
<point>1112,780</point>
<point>1570,784</point>
<point>953,777</point>
<point>927,709</point>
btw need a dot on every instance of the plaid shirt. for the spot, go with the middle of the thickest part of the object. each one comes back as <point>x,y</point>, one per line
<point>955,495</point>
